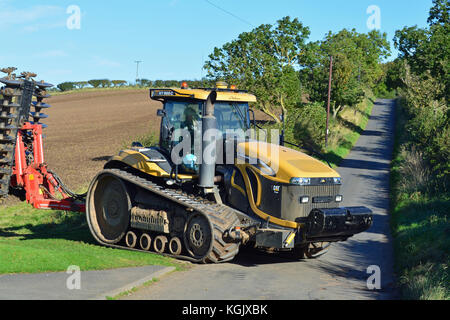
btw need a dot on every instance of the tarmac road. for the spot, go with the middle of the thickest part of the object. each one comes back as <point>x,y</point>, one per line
<point>339,274</point>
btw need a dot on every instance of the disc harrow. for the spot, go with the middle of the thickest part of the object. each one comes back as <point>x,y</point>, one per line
<point>16,97</point>
<point>11,99</point>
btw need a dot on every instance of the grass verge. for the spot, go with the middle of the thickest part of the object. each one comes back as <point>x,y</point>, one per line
<point>346,130</point>
<point>420,228</point>
<point>132,290</point>
<point>34,241</point>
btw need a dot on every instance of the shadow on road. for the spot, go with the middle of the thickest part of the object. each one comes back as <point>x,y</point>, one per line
<point>364,164</point>
<point>252,257</point>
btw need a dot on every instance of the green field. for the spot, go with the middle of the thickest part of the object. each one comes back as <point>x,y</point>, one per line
<point>45,241</point>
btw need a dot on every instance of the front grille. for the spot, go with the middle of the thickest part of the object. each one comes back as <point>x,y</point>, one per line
<point>319,191</point>
<point>321,197</point>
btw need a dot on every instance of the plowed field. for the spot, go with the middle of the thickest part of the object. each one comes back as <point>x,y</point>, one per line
<point>86,128</point>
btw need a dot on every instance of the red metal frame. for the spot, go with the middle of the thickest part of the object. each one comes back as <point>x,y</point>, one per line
<point>41,187</point>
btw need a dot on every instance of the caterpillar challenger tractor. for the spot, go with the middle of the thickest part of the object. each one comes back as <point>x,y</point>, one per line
<point>199,195</point>
<point>206,189</point>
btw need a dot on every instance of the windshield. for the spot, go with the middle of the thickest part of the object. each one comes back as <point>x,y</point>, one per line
<point>231,116</point>
<point>183,120</point>
<point>180,115</point>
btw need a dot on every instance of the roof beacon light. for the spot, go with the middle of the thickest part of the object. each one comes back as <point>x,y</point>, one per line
<point>184,85</point>
<point>233,87</point>
<point>221,85</point>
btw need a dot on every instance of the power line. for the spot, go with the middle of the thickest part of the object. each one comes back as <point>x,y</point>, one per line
<point>137,70</point>
<point>230,13</point>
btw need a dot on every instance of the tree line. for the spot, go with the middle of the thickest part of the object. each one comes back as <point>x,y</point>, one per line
<point>421,76</point>
<point>106,83</point>
<point>289,74</point>
<point>420,179</point>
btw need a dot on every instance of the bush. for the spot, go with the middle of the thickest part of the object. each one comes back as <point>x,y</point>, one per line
<point>414,171</point>
<point>427,124</point>
<point>309,125</point>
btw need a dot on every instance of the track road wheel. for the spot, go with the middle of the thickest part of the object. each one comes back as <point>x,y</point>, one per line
<point>145,242</point>
<point>131,239</point>
<point>198,236</point>
<point>175,246</point>
<point>159,244</point>
<point>108,208</point>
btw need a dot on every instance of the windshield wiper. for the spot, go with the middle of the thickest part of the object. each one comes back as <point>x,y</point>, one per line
<point>239,112</point>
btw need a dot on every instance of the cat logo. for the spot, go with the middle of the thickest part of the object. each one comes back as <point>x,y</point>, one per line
<point>276,189</point>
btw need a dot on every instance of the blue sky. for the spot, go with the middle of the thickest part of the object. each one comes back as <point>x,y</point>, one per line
<point>171,37</point>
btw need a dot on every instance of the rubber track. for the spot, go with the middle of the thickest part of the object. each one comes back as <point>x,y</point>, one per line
<point>9,123</point>
<point>220,216</point>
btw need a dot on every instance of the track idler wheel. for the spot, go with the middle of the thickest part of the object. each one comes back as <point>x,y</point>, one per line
<point>159,244</point>
<point>316,250</point>
<point>175,246</point>
<point>145,242</point>
<point>311,250</point>
<point>198,236</point>
<point>108,208</point>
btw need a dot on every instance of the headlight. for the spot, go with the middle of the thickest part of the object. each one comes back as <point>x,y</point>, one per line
<point>301,181</point>
<point>304,199</point>
<point>339,198</point>
<point>337,180</point>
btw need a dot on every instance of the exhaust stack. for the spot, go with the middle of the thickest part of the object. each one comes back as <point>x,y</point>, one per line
<point>208,165</point>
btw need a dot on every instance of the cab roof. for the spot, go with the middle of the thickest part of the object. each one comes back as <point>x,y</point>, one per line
<point>202,94</point>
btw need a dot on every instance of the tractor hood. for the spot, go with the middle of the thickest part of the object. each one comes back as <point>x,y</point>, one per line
<point>286,163</point>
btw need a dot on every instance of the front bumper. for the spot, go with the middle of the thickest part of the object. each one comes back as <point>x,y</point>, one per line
<point>340,223</point>
<point>322,225</point>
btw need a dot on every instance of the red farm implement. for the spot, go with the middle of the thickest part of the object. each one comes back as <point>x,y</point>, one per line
<point>22,164</point>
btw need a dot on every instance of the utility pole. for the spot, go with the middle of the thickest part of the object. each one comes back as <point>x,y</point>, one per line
<point>329,99</point>
<point>137,70</point>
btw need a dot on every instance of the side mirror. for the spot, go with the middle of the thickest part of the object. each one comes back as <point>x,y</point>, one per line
<point>161,113</point>
<point>137,144</point>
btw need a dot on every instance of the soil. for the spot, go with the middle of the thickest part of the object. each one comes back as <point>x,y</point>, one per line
<point>86,128</point>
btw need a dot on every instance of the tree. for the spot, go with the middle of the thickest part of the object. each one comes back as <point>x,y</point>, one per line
<point>95,83</point>
<point>144,83</point>
<point>118,83</point>
<point>105,83</point>
<point>429,49</point>
<point>356,65</point>
<point>426,79</point>
<point>310,126</point>
<point>264,61</point>
<point>81,84</point>
<point>66,86</point>
<point>158,83</point>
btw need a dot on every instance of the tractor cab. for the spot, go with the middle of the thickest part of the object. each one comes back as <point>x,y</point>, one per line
<point>182,114</point>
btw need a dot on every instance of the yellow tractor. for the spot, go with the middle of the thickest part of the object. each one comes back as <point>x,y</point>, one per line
<point>210,187</point>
